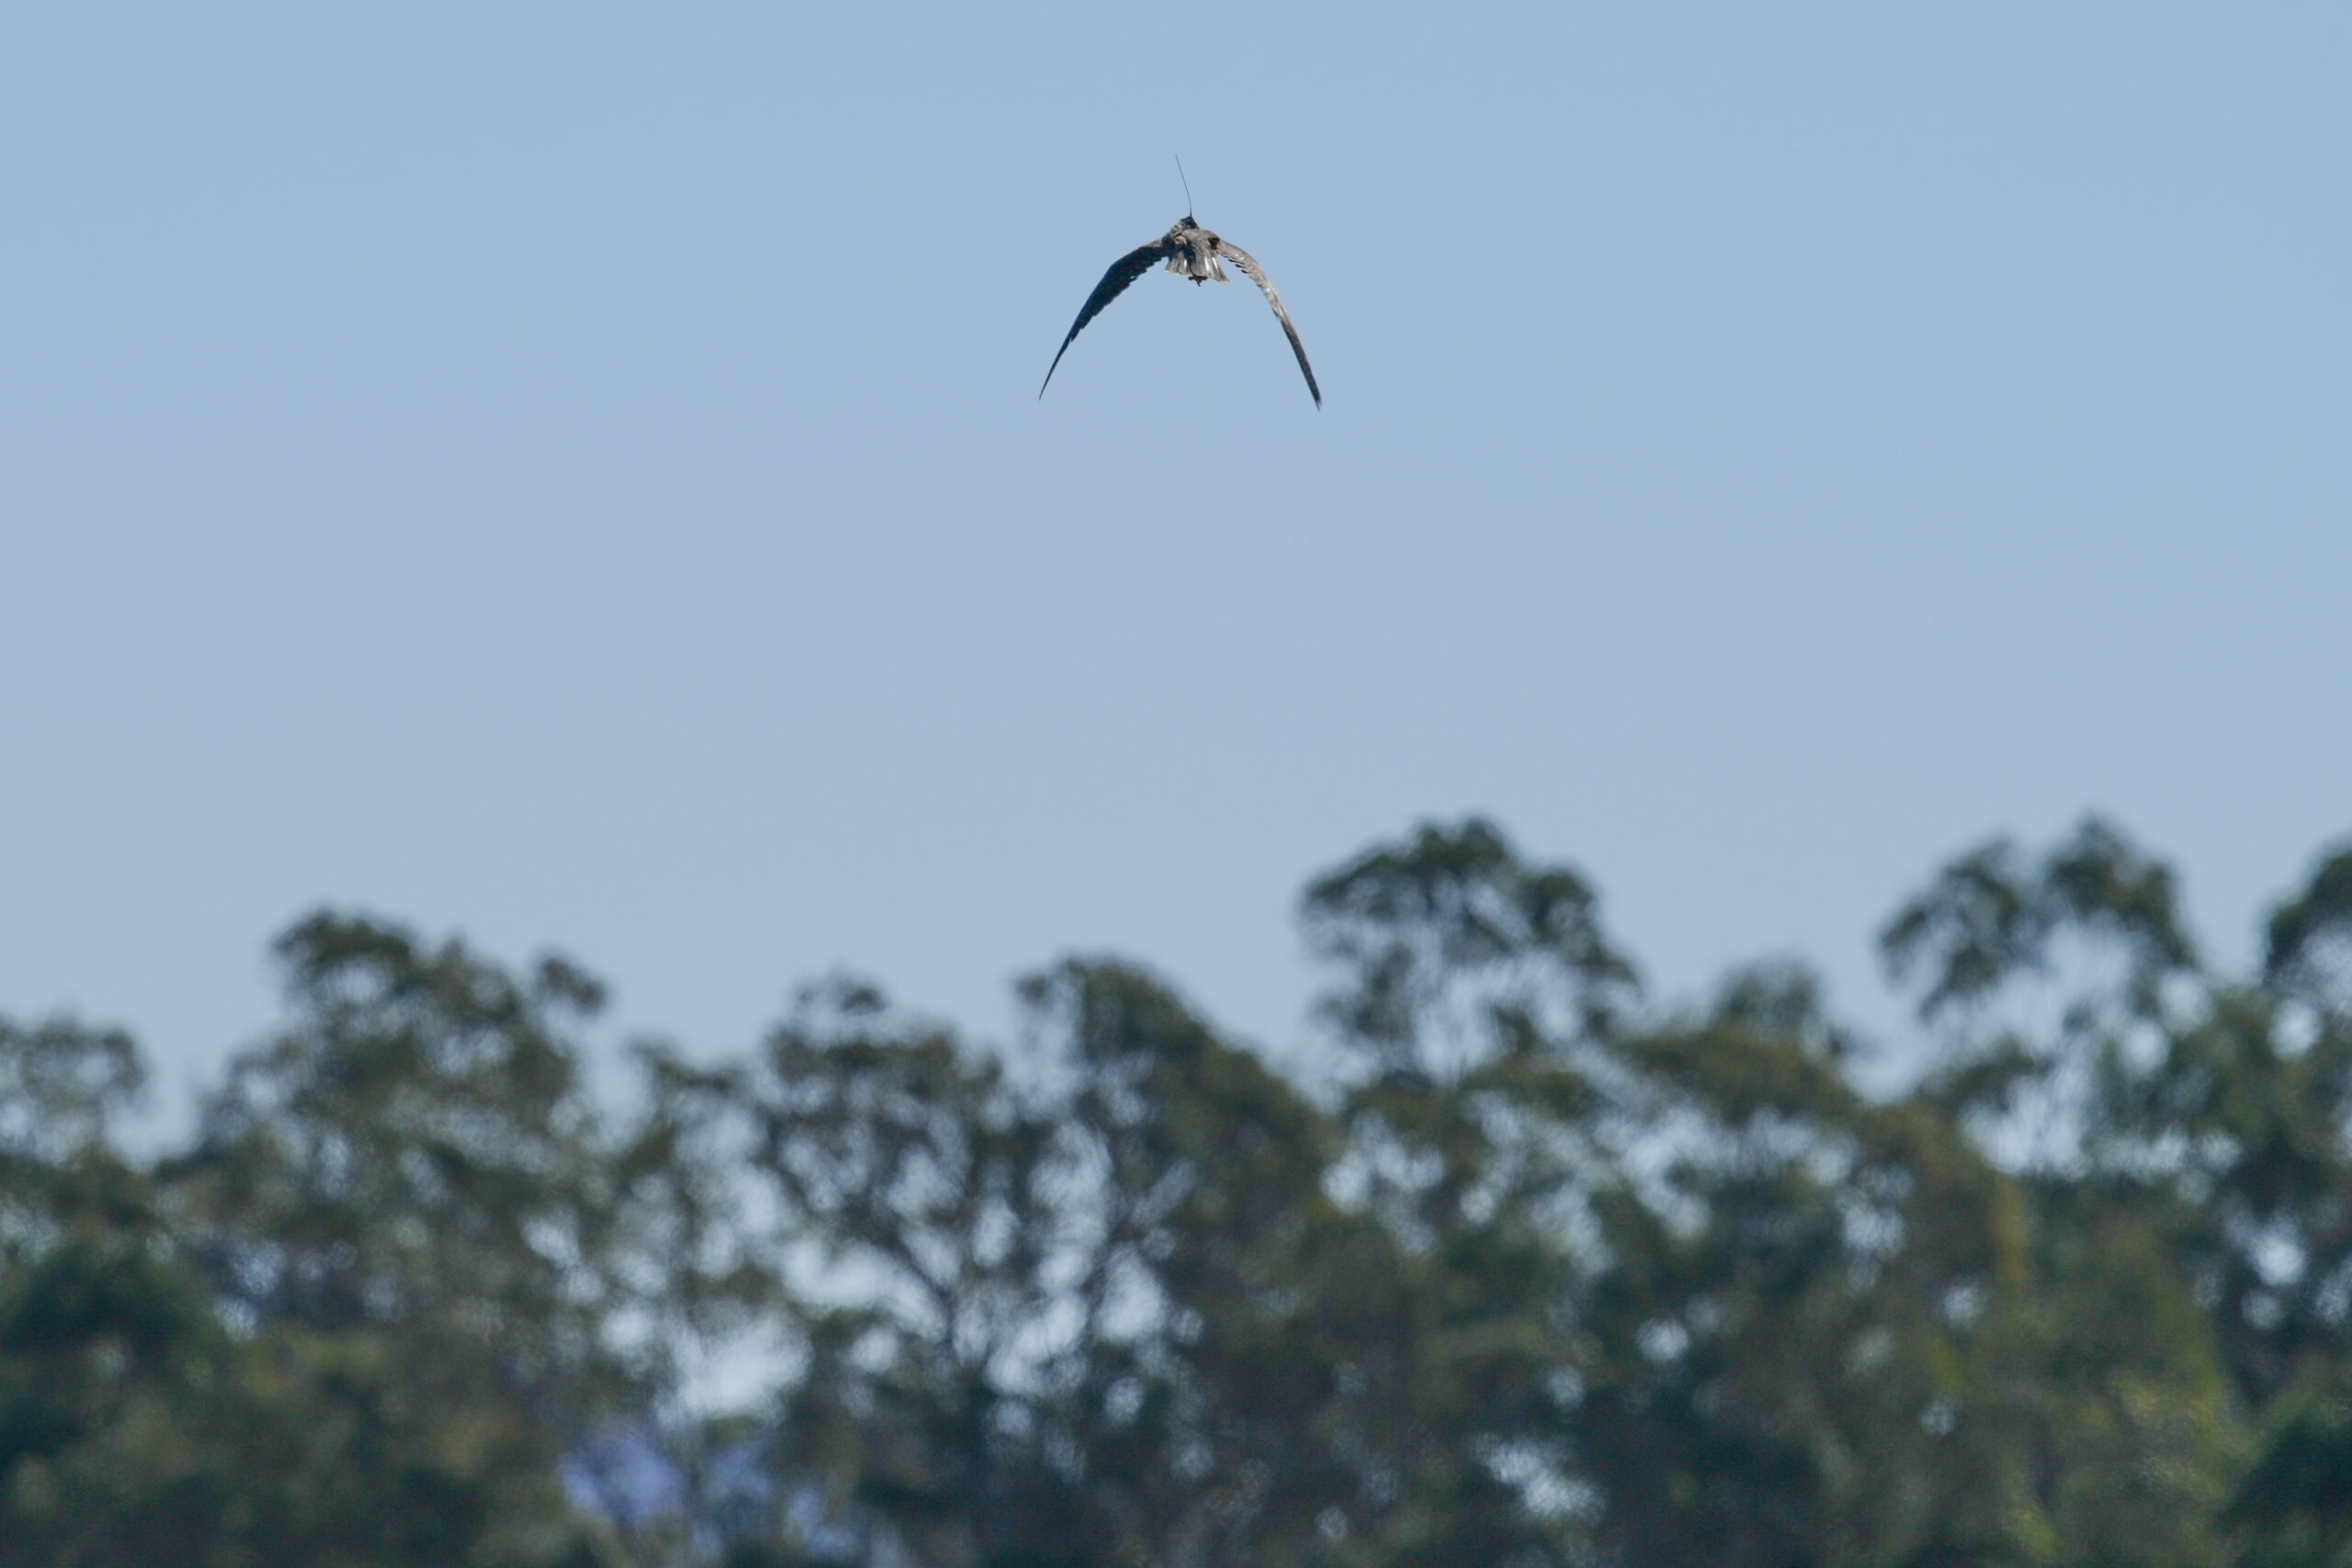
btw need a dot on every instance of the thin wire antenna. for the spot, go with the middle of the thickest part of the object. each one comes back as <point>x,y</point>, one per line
<point>1188,185</point>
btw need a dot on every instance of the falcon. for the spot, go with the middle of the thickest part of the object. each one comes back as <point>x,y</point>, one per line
<point>1191,251</point>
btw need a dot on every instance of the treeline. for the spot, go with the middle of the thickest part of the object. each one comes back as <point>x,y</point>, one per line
<point>1540,1272</point>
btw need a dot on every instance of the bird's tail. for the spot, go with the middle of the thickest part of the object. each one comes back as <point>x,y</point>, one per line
<point>1200,268</point>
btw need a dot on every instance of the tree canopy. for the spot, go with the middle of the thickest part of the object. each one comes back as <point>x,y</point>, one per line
<point>1535,1270</point>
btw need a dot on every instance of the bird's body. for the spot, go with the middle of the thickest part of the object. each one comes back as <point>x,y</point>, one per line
<point>1191,251</point>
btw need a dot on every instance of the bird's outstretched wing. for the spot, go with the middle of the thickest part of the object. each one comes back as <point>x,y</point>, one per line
<point>1249,264</point>
<point>1124,271</point>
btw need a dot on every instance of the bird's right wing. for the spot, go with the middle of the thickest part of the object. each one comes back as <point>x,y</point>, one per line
<point>1124,271</point>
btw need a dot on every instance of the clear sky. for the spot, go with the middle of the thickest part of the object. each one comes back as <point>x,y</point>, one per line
<point>574,475</point>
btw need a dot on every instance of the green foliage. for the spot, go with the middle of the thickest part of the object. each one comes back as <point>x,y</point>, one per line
<point>1544,1273</point>
<point>2293,1506</point>
<point>2309,952</point>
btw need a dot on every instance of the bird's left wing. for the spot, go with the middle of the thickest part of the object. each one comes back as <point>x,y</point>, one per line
<point>1249,264</point>
<point>1124,271</point>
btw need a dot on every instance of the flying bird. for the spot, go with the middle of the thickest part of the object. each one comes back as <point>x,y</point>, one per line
<point>1191,251</point>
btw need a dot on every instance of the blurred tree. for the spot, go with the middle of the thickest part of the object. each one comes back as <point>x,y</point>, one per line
<point>1777,1323</point>
<point>2237,1141</point>
<point>1537,1273</point>
<point>366,1318</point>
<point>105,1345</point>
<point>1108,1318</point>
<point>1476,1002</point>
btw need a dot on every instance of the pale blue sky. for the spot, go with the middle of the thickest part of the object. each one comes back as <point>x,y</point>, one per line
<point>574,475</point>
